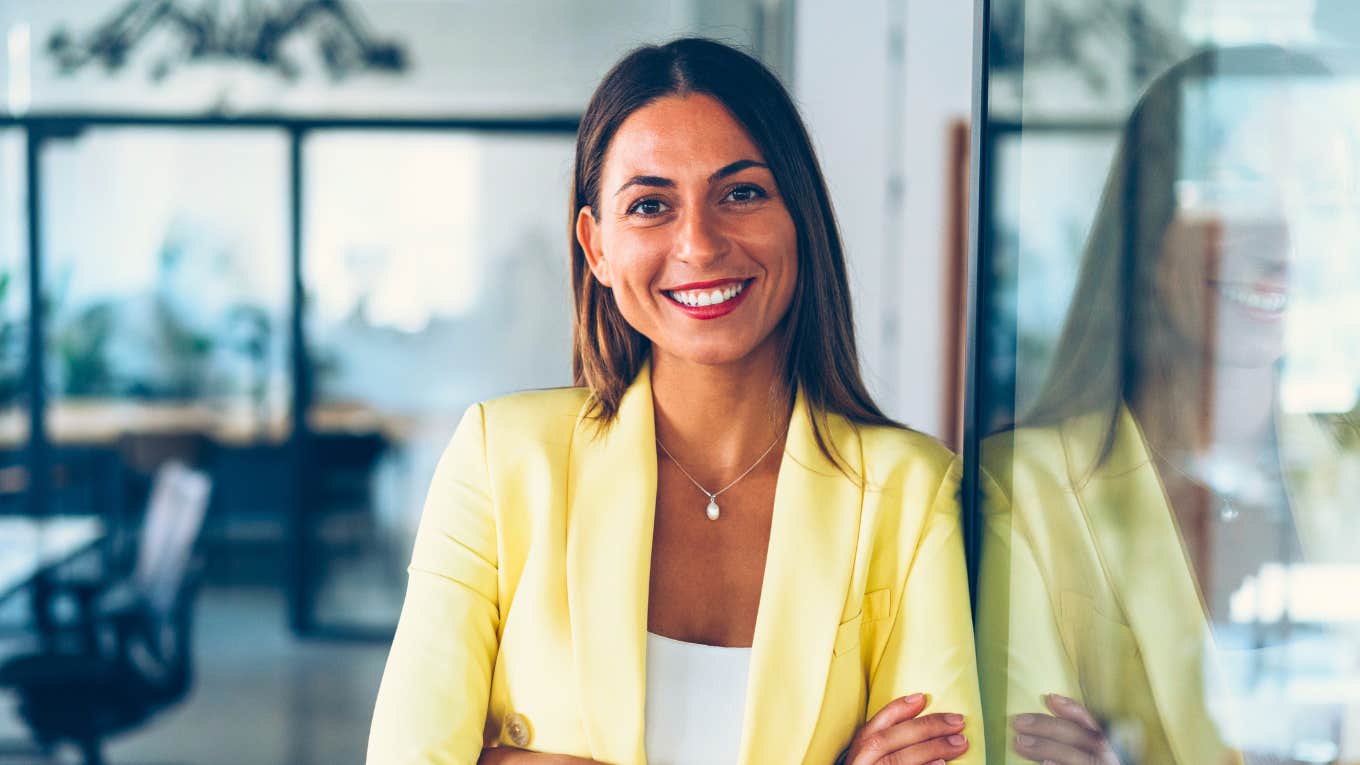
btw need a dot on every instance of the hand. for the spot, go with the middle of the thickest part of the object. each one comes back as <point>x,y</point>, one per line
<point>1070,736</point>
<point>898,736</point>
<point>505,755</point>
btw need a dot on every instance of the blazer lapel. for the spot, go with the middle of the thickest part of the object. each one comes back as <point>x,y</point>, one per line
<point>610,513</point>
<point>813,538</point>
<point>610,510</point>
<point>1145,558</point>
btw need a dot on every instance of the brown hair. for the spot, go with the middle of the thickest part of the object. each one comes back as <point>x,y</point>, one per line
<point>818,346</point>
<point>1115,339</point>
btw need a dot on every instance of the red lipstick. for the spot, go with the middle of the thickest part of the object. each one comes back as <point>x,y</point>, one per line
<point>705,312</point>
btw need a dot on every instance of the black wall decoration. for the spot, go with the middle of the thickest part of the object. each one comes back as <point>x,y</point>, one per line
<point>254,34</point>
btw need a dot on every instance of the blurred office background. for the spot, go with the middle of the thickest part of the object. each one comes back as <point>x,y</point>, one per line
<point>278,246</point>
<point>257,256</point>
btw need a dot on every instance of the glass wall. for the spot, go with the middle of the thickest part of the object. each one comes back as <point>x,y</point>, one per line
<point>435,279</point>
<point>1166,399</point>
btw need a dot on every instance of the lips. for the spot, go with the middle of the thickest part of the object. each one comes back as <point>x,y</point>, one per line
<point>709,300</point>
<point>1265,302</point>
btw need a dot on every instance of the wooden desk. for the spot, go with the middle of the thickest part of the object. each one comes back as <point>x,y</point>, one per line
<point>29,546</point>
<point>96,421</point>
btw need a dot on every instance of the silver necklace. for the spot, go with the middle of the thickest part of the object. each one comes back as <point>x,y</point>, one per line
<point>1227,486</point>
<point>712,509</point>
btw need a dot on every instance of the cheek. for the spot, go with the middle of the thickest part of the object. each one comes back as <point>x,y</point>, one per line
<point>775,244</point>
<point>635,258</point>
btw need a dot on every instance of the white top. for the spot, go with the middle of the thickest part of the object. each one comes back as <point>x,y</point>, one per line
<point>696,694</point>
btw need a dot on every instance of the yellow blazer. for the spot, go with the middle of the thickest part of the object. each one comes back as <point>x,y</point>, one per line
<point>526,609</point>
<point>1086,589</point>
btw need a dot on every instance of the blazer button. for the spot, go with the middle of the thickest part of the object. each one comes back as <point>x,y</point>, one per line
<point>517,728</point>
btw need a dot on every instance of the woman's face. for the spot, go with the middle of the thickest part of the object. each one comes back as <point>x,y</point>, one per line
<point>1224,284</point>
<point>1223,273</point>
<point>692,236</point>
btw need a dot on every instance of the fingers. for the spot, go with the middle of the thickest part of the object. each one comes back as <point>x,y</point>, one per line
<point>914,741</point>
<point>1069,709</point>
<point>1057,729</point>
<point>1049,751</point>
<point>1073,737</point>
<point>934,750</point>
<point>895,711</point>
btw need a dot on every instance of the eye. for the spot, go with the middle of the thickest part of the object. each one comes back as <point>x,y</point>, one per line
<point>746,194</point>
<point>647,207</point>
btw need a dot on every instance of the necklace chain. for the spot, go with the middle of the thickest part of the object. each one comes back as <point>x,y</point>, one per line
<point>713,495</point>
<point>1228,500</point>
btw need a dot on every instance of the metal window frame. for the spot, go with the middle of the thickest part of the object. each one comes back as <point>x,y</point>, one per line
<point>38,129</point>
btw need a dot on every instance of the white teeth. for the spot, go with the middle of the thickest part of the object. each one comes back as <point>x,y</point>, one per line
<point>1273,302</point>
<point>707,297</point>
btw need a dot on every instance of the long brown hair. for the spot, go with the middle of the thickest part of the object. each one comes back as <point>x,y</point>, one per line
<point>1115,339</point>
<point>818,346</point>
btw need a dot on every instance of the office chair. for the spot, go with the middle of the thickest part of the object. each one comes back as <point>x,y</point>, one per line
<point>129,655</point>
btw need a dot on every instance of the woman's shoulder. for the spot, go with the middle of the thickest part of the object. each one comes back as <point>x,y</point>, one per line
<point>895,452</point>
<point>547,414</point>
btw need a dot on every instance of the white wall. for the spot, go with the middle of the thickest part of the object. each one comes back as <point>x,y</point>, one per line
<point>876,120</point>
<point>508,57</point>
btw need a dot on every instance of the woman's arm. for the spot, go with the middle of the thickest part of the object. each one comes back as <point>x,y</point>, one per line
<point>432,703</point>
<point>930,642</point>
<point>1025,669</point>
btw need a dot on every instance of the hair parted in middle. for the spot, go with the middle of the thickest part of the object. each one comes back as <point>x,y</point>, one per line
<point>818,347</point>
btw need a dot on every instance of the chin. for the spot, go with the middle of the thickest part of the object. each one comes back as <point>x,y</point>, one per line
<point>710,354</point>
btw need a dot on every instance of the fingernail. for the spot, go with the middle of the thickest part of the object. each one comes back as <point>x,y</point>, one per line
<point>915,697</point>
<point>1060,699</point>
<point>1024,740</point>
<point>937,762</point>
<point>1023,721</point>
<point>953,719</point>
<point>956,740</point>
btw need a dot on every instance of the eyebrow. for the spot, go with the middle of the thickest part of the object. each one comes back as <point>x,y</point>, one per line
<point>666,183</point>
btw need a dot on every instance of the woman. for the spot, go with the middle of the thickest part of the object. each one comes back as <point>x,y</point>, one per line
<point>716,548</point>
<point>1156,480</point>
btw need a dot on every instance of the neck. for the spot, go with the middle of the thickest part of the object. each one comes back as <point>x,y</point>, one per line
<point>1210,409</point>
<point>717,419</point>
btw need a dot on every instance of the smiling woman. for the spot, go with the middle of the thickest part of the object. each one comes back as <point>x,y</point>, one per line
<point>618,572</point>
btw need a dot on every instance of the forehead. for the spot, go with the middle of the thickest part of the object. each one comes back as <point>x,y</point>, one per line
<point>674,134</point>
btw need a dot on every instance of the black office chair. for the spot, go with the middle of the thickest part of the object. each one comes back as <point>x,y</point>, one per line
<point>128,654</point>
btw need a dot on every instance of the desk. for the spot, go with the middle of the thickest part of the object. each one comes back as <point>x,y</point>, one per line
<point>29,546</point>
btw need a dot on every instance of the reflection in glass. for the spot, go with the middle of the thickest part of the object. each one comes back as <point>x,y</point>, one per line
<point>1168,561</point>
<point>436,278</point>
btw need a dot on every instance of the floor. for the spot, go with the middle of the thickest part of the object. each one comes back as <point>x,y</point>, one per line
<point>261,697</point>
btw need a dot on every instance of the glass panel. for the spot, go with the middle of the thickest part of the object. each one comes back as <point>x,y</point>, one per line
<point>166,271</point>
<point>436,272</point>
<point>1169,385</point>
<point>14,397</point>
<point>14,304</point>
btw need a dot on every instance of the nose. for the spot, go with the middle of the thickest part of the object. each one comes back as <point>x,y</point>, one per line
<point>699,238</point>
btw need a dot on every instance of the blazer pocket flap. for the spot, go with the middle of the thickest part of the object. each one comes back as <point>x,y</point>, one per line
<point>877,605</point>
<point>847,635</point>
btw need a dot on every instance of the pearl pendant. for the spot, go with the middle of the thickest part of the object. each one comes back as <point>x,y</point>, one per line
<point>712,509</point>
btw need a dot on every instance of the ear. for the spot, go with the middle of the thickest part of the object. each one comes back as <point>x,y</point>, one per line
<point>588,235</point>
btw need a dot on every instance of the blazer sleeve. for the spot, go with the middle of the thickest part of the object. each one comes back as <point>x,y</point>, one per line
<point>930,642</point>
<point>432,702</point>
<point>1020,649</point>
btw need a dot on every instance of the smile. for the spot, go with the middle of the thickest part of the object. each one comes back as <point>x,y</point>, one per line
<point>706,297</point>
<point>1265,301</point>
